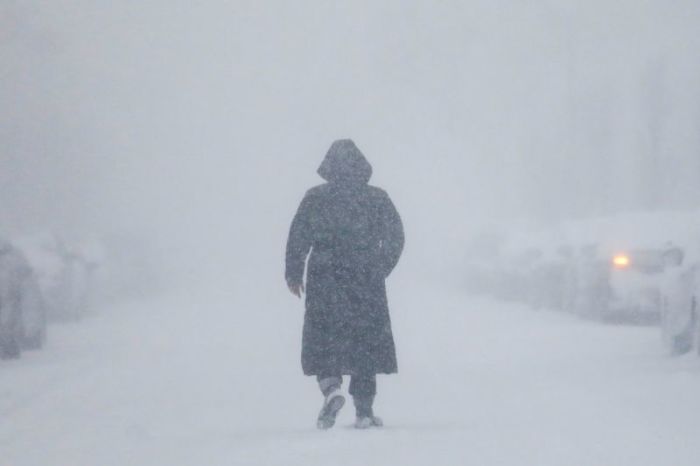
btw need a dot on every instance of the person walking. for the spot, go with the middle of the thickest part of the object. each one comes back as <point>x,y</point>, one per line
<point>353,238</point>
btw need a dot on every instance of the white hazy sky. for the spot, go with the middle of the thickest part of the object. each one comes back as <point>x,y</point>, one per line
<point>201,124</point>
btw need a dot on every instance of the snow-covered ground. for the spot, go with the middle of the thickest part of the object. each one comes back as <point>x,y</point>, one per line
<point>207,378</point>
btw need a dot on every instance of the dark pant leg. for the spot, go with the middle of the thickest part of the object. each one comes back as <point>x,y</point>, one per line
<point>363,385</point>
<point>363,388</point>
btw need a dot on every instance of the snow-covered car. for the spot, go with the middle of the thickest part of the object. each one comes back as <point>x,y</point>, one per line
<point>517,270</point>
<point>552,280</point>
<point>680,290</point>
<point>605,267</point>
<point>34,321</point>
<point>63,275</point>
<point>626,284</point>
<point>22,311</point>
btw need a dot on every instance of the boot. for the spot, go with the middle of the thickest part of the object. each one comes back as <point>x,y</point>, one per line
<point>365,414</point>
<point>332,404</point>
<point>368,422</point>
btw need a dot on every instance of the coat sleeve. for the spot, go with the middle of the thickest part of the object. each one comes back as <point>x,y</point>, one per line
<point>393,238</point>
<point>299,243</point>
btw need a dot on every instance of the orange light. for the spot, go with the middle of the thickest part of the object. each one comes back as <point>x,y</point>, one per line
<point>621,261</point>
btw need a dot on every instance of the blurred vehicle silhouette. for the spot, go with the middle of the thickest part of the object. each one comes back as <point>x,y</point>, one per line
<point>22,310</point>
<point>621,285</point>
<point>680,322</point>
<point>63,274</point>
<point>620,268</point>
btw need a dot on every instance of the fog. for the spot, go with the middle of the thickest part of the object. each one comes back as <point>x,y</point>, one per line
<point>185,134</point>
<point>200,126</point>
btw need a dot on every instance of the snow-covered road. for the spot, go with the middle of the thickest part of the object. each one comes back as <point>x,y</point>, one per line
<point>202,378</point>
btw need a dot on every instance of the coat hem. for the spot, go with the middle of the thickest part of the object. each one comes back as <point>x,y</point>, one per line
<point>315,373</point>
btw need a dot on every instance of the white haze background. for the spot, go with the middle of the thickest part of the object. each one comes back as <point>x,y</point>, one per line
<point>202,125</point>
<point>197,126</point>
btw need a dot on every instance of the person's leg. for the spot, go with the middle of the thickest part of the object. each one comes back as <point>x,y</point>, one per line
<point>333,402</point>
<point>363,389</point>
<point>329,383</point>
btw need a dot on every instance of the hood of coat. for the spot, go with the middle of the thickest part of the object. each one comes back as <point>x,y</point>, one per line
<point>344,163</point>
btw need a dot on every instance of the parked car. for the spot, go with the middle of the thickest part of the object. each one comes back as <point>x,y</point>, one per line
<point>625,285</point>
<point>680,318</point>
<point>63,275</point>
<point>34,321</point>
<point>22,311</point>
<point>552,280</point>
<point>608,268</point>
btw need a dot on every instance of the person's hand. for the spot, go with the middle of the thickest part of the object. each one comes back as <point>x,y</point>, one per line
<point>296,288</point>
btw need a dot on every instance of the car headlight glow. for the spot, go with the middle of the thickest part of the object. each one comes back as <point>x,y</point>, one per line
<point>621,261</point>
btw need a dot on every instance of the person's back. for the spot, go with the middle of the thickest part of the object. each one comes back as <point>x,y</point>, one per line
<point>355,237</point>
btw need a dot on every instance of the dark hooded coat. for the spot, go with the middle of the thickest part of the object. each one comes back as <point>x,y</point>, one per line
<point>353,237</point>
